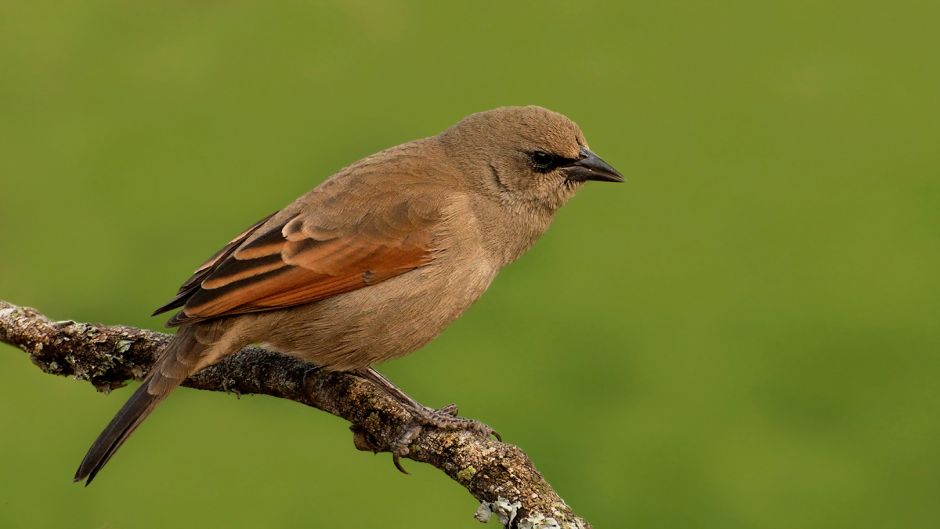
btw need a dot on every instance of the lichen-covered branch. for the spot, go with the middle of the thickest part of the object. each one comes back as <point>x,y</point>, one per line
<point>497,474</point>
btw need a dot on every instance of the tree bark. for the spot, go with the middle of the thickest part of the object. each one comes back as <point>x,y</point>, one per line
<point>497,474</point>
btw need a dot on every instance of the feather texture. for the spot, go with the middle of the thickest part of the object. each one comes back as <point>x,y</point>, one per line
<point>297,260</point>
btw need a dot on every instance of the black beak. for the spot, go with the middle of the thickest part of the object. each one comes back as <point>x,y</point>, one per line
<point>590,167</point>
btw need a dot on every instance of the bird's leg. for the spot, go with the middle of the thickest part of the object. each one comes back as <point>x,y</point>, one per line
<point>392,390</point>
<point>444,418</point>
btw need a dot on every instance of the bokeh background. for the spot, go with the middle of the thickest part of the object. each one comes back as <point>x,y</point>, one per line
<point>744,335</point>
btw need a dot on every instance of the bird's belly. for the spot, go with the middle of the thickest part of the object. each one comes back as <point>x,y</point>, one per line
<point>384,321</point>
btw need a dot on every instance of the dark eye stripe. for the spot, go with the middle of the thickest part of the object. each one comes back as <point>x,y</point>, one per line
<point>544,162</point>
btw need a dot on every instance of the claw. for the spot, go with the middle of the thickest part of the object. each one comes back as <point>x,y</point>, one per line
<point>402,446</point>
<point>445,418</point>
<point>397,461</point>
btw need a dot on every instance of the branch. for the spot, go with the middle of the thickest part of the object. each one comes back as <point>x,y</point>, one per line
<point>497,474</point>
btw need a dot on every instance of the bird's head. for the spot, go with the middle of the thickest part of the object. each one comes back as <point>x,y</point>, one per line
<point>527,155</point>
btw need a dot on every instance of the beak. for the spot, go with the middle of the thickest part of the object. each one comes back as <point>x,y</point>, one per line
<point>590,167</point>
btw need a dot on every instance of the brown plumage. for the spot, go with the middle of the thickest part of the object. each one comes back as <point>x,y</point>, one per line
<point>377,260</point>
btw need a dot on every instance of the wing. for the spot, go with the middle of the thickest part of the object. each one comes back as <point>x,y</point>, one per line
<point>300,258</point>
<point>192,284</point>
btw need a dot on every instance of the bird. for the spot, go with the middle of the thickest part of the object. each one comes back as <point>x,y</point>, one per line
<point>376,261</point>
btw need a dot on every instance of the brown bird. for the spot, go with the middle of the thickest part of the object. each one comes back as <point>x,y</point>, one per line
<point>377,260</point>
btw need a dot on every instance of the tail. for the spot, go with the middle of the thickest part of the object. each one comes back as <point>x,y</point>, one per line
<point>179,360</point>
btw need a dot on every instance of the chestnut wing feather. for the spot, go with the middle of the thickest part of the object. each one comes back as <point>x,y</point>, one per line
<point>298,262</point>
<point>192,284</point>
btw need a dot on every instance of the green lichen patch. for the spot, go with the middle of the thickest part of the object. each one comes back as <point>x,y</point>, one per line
<point>466,474</point>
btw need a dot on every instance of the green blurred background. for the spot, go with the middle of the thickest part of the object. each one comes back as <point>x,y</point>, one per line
<point>744,335</point>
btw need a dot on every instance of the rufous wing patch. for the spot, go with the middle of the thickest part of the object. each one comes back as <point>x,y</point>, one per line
<point>295,263</point>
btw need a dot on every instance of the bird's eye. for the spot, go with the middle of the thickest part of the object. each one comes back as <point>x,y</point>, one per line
<point>543,161</point>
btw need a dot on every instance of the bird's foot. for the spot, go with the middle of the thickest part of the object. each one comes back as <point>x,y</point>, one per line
<point>445,418</point>
<point>402,446</point>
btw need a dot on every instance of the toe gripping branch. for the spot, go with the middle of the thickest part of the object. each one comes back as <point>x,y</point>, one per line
<point>444,418</point>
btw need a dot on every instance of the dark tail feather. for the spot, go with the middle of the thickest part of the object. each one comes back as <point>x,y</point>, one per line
<point>166,375</point>
<point>121,427</point>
